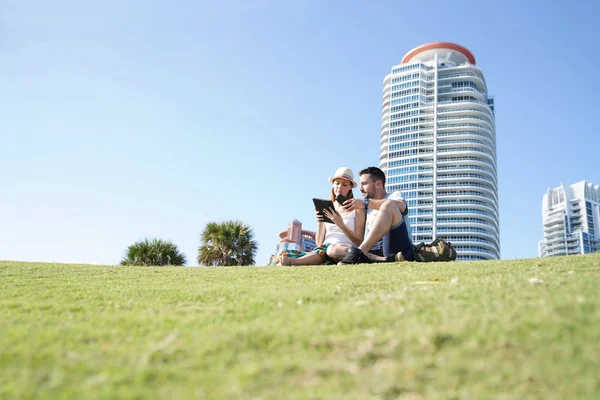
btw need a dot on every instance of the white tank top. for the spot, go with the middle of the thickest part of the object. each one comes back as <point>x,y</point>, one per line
<point>335,235</point>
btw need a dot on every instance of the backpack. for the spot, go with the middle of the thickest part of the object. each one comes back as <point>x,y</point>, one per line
<point>438,250</point>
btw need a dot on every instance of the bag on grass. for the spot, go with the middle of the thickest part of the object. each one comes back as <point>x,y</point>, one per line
<point>438,250</point>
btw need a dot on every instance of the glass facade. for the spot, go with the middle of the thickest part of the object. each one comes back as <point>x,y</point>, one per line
<point>438,147</point>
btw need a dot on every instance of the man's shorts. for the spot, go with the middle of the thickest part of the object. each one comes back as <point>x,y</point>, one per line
<point>322,251</point>
<point>398,240</point>
<point>377,252</point>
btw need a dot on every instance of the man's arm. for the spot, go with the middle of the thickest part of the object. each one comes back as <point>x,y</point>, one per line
<point>376,204</point>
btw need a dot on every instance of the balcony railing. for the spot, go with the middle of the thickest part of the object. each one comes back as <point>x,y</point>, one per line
<point>458,75</point>
<point>462,90</point>
<point>463,101</point>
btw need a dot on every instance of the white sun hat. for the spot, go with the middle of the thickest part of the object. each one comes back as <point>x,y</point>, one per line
<point>344,173</point>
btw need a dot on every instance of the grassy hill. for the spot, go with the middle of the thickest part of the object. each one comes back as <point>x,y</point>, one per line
<point>499,329</point>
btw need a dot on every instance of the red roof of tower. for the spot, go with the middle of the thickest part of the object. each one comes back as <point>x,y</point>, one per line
<point>439,45</point>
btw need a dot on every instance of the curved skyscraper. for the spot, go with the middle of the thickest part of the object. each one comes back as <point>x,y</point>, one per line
<point>438,146</point>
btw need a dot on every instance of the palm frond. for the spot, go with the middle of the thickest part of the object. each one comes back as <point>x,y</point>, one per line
<point>155,252</point>
<point>226,244</point>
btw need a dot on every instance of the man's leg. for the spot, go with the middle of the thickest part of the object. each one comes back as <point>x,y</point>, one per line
<point>390,258</point>
<point>397,245</point>
<point>389,216</point>
<point>378,258</point>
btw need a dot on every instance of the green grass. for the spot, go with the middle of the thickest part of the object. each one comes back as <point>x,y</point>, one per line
<point>500,329</point>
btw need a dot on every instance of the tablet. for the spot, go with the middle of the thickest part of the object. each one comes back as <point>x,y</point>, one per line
<point>321,204</point>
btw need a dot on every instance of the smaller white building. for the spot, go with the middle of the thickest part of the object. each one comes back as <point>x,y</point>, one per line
<point>571,220</point>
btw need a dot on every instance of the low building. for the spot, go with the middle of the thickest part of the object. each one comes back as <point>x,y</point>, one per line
<point>295,238</point>
<point>570,220</point>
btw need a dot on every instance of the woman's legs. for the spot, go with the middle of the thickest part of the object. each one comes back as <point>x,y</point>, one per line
<point>337,251</point>
<point>307,259</point>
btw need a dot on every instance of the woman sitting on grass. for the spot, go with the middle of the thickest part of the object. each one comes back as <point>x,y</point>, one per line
<point>348,226</point>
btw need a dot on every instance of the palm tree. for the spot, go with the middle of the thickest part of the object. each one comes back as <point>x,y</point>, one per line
<point>226,244</point>
<point>155,252</point>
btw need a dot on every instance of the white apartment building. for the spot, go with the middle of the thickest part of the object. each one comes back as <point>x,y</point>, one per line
<point>570,220</point>
<point>438,147</point>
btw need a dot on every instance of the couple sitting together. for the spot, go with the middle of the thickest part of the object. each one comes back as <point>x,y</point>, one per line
<point>378,214</point>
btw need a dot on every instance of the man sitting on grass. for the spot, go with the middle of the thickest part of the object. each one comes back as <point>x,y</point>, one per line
<point>388,238</point>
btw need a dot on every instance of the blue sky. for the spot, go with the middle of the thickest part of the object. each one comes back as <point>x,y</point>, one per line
<point>121,120</point>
